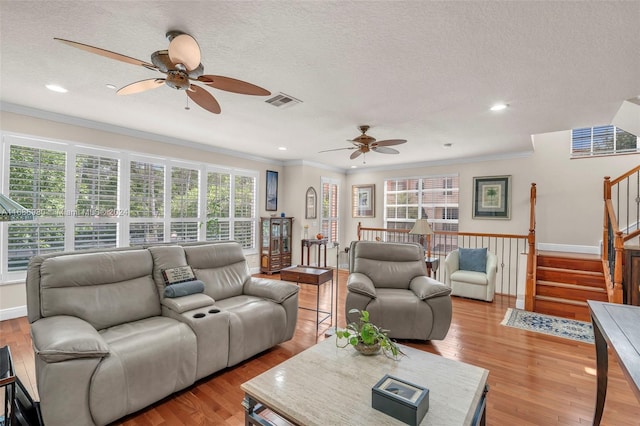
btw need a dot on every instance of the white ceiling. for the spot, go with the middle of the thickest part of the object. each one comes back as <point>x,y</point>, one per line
<point>417,70</point>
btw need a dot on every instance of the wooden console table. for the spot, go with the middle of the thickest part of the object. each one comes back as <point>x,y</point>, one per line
<point>308,243</point>
<point>615,325</point>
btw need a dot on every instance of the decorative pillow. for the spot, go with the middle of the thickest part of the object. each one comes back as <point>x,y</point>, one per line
<point>473,259</point>
<point>184,289</point>
<point>177,275</point>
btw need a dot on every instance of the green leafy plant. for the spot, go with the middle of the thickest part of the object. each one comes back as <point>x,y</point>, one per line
<point>364,332</point>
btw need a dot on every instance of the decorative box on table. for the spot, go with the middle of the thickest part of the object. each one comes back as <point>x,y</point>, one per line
<point>400,399</point>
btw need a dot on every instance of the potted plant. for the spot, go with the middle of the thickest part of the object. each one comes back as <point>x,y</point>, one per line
<point>367,337</point>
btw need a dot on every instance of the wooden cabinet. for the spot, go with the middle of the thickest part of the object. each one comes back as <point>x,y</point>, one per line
<point>631,282</point>
<point>275,243</point>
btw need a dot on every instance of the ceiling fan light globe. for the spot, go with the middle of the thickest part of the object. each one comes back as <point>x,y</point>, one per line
<point>184,49</point>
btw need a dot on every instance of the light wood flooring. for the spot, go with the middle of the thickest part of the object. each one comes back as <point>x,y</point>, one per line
<point>534,379</point>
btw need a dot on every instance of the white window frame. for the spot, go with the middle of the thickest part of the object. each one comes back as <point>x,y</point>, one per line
<point>71,149</point>
<point>420,202</point>
<point>597,132</point>
<point>330,219</point>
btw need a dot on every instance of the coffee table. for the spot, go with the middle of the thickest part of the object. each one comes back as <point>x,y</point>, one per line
<point>327,385</point>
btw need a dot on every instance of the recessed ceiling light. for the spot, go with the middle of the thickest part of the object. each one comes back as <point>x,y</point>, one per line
<point>56,88</point>
<point>447,145</point>
<point>499,107</point>
<point>111,86</point>
<point>354,167</point>
<point>282,148</point>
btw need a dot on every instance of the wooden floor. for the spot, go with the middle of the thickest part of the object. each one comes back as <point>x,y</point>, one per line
<point>534,379</point>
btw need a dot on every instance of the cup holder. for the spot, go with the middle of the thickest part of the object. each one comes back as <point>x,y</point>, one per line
<point>199,315</point>
<point>214,311</point>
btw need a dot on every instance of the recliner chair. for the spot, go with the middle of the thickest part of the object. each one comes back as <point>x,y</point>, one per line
<point>389,280</point>
<point>477,282</point>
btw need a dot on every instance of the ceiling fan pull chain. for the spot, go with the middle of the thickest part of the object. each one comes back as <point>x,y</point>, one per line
<point>187,107</point>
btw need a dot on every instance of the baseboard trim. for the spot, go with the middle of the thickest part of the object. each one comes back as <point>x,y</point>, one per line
<point>568,248</point>
<point>11,313</point>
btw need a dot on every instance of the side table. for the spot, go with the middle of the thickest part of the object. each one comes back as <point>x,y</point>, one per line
<point>432,265</point>
<point>308,243</point>
<point>315,276</point>
<point>8,382</point>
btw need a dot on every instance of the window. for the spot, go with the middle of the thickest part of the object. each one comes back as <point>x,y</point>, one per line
<point>146,202</point>
<point>329,217</point>
<point>602,140</point>
<point>37,182</point>
<point>85,197</point>
<point>184,204</point>
<point>96,202</point>
<point>433,197</point>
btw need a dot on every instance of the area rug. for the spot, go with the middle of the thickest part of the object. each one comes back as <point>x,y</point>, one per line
<point>547,324</point>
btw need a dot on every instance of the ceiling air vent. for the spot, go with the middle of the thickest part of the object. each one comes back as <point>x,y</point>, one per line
<point>282,100</point>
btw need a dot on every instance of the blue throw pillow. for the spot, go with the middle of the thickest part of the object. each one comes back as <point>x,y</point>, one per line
<point>184,289</point>
<point>473,259</point>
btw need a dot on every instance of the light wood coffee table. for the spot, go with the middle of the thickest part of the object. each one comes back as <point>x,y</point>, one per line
<point>327,385</point>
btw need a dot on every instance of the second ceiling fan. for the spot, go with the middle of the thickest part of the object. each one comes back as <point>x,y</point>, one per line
<point>365,143</point>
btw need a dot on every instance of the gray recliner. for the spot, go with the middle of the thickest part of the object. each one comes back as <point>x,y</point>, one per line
<point>389,280</point>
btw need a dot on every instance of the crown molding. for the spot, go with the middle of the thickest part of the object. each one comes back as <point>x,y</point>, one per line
<point>125,131</point>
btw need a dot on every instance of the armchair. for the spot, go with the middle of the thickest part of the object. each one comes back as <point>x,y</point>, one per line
<point>389,281</point>
<point>473,276</point>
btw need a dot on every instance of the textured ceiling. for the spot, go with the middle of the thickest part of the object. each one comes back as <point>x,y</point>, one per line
<point>422,71</point>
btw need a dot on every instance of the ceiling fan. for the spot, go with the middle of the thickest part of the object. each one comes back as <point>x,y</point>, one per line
<point>365,143</point>
<point>181,64</point>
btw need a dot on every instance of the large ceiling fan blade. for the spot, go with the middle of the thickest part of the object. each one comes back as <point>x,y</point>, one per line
<point>184,49</point>
<point>141,86</point>
<point>389,142</point>
<point>204,99</point>
<point>385,150</point>
<point>356,154</point>
<point>233,85</point>
<point>106,53</point>
<point>337,149</point>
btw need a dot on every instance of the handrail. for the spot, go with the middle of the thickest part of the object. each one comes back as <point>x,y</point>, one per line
<point>626,175</point>
<point>613,238</point>
<point>530,283</point>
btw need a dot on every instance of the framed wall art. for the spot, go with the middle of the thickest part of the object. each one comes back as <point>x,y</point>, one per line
<point>272,191</point>
<point>492,197</point>
<point>310,211</point>
<point>363,200</point>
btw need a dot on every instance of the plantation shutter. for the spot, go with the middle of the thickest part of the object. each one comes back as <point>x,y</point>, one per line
<point>184,204</point>
<point>146,203</point>
<point>37,182</point>
<point>96,202</point>
<point>244,210</point>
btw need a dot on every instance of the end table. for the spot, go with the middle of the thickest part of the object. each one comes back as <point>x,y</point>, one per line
<point>8,382</point>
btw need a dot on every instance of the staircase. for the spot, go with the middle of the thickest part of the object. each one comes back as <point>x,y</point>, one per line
<point>564,283</point>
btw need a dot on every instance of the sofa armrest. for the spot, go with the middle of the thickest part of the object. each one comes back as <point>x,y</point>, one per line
<point>60,338</point>
<point>361,284</point>
<point>276,291</point>
<point>427,288</point>
<point>187,303</point>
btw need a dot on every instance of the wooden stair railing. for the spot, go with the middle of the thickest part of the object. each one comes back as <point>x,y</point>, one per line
<point>530,284</point>
<point>613,238</point>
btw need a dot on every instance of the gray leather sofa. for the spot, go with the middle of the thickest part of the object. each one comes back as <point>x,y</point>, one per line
<point>389,281</point>
<point>108,343</point>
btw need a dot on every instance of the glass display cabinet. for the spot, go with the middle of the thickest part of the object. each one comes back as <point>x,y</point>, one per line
<point>275,244</point>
